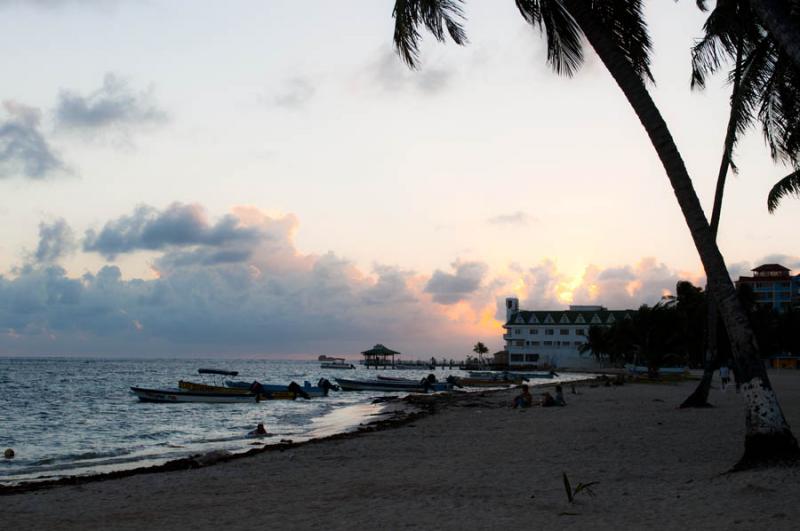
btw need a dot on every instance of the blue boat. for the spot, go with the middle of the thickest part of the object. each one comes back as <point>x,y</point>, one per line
<point>322,389</point>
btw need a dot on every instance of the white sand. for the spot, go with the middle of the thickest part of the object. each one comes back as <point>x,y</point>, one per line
<point>473,465</point>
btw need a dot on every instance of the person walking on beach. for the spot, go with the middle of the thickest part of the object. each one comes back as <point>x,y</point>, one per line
<point>724,375</point>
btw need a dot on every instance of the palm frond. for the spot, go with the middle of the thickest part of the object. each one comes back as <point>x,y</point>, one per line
<point>564,36</point>
<point>627,28</point>
<point>727,28</point>
<point>789,185</point>
<point>440,17</point>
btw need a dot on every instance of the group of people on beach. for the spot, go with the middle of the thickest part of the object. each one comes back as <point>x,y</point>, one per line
<point>525,398</point>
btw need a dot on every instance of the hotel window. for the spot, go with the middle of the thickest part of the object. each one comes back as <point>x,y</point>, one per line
<point>578,343</point>
<point>518,331</point>
<point>564,331</point>
<point>519,343</point>
<point>534,331</point>
<point>580,332</point>
<point>548,343</point>
<point>534,343</point>
<point>548,331</point>
<point>517,357</point>
<point>531,357</point>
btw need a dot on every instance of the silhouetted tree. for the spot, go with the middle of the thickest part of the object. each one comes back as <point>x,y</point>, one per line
<point>616,30</point>
<point>480,349</point>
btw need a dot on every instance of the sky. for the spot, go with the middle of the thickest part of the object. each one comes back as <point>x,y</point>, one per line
<point>267,179</point>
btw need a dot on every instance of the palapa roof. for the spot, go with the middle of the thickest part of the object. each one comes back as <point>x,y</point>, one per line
<point>379,350</point>
<point>770,267</point>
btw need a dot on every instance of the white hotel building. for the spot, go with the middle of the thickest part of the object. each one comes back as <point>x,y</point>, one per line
<point>553,338</point>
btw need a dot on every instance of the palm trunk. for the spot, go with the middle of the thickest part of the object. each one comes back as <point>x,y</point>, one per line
<point>699,398</point>
<point>776,18</point>
<point>768,436</point>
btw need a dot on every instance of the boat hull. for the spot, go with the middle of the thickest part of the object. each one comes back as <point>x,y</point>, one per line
<point>338,366</point>
<point>277,391</point>
<point>175,396</point>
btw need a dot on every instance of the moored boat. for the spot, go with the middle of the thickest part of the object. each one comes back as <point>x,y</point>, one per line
<point>334,363</point>
<point>183,395</point>
<point>282,394</point>
<point>322,388</point>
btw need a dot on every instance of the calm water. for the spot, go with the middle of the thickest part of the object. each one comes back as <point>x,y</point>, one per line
<point>77,416</point>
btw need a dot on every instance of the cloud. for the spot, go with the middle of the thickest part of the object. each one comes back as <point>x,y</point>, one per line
<point>545,287</point>
<point>295,93</point>
<point>113,108</point>
<point>518,219</point>
<point>272,299</point>
<point>56,240</point>
<point>23,148</point>
<point>55,3</point>
<point>178,226</point>
<point>792,262</point>
<point>392,75</point>
<point>448,288</point>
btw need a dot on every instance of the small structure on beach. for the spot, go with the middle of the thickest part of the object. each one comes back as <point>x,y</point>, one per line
<point>379,356</point>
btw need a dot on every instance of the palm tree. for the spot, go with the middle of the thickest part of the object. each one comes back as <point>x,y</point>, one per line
<point>616,31</point>
<point>781,17</point>
<point>480,349</point>
<point>597,342</point>
<point>728,30</point>
<point>786,186</point>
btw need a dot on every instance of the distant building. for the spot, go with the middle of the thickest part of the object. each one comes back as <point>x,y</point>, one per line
<point>773,286</point>
<point>553,338</point>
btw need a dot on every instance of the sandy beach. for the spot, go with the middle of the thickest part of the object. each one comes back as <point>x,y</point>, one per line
<point>474,464</point>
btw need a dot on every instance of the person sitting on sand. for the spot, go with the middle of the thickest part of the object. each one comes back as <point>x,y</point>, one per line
<point>548,400</point>
<point>560,396</point>
<point>260,431</point>
<point>524,399</point>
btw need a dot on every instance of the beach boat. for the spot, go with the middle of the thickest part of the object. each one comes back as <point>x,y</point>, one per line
<point>282,394</point>
<point>400,386</point>
<point>183,395</point>
<point>277,390</point>
<point>396,379</point>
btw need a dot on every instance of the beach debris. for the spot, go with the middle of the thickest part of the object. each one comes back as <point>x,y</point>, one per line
<point>9,453</point>
<point>580,487</point>
<point>211,457</point>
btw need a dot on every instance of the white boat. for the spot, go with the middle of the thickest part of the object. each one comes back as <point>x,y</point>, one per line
<point>181,395</point>
<point>334,363</point>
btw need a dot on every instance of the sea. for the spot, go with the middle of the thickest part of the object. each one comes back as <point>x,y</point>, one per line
<point>66,416</point>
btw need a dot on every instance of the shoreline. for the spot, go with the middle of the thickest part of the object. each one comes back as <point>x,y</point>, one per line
<point>470,462</point>
<point>391,408</point>
<point>391,411</point>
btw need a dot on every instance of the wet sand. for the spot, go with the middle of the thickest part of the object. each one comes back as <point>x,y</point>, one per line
<point>473,464</point>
